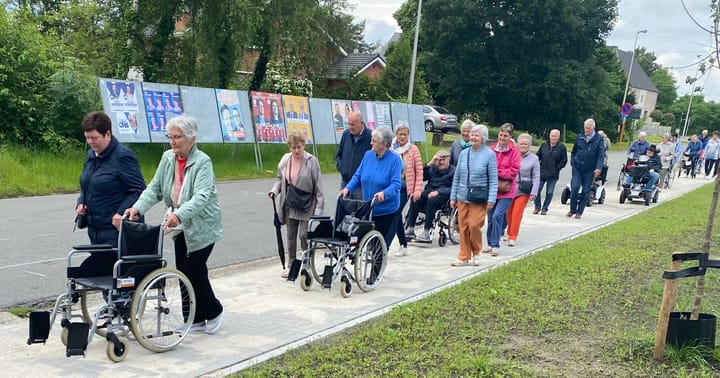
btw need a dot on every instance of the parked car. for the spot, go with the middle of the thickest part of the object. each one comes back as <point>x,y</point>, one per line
<point>439,118</point>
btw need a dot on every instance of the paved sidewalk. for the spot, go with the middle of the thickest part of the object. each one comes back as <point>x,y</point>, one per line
<point>266,315</point>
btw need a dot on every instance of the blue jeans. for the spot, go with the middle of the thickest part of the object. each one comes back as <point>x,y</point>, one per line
<point>584,181</point>
<point>653,178</point>
<point>549,191</point>
<point>496,221</point>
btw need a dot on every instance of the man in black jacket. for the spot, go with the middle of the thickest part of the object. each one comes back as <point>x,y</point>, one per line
<point>553,158</point>
<point>439,176</point>
<point>355,141</point>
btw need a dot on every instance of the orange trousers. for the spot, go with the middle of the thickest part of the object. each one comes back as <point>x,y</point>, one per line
<point>515,214</point>
<point>471,219</point>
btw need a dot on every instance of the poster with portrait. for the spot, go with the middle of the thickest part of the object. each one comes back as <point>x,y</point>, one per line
<point>121,102</point>
<point>162,103</point>
<point>232,122</point>
<point>341,110</point>
<point>268,117</point>
<point>296,116</point>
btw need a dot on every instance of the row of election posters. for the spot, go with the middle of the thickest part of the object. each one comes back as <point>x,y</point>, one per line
<point>140,112</point>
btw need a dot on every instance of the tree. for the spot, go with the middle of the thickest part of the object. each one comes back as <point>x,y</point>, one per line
<point>395,79</point>
<point>667,89</point>
<point>491,55</point>
<point>646,60</point>
<point>656,115</point>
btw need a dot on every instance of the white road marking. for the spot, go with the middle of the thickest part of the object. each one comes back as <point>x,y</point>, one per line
<point>37,274</point>
<point>32,262</point>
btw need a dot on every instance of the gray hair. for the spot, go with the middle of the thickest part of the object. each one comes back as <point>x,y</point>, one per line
<point>402,125</point>
<point>642,133</point>
<point>383,135</point>
<point>467,124</point>
<point>590,121</point>
<point>666,135</point>
<point>482,129</point>
<point>185,123</point>
<point>525,136</point>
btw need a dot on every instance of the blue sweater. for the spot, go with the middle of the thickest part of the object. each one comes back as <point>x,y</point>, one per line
<point>379,175</point>
<point>483,172</point>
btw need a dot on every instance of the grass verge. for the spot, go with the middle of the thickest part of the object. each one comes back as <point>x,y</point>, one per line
<point>586,307</point>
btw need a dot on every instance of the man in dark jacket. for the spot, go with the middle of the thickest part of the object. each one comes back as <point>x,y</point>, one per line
<point>650,168</point>
<point>439,176</point>
<point>553,158</point>
<point>587,158</point>
<point>355,141</point>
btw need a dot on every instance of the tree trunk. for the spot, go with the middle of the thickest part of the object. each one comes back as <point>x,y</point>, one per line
<point>700,280</point>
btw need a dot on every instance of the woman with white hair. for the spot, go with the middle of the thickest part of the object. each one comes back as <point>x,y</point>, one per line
<point>185,182</point>
<point>411,182</point>
<point>666,152</point>
<point>462,143</point>
<point>379,176</point>
<point>473,192</point>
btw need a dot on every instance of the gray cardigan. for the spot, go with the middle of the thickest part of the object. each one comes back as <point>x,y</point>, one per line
<point>309,180</point>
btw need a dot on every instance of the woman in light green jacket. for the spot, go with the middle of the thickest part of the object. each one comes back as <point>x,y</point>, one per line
<point>185,182</point>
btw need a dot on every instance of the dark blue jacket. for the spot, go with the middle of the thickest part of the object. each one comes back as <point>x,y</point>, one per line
<point>436,180</point>
<point>109,184</point>
<point>350,153</point>
<point>552,160</point>
<point>588,155</point>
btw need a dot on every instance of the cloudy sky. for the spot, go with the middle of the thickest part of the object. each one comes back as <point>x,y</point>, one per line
<point>671,33</point>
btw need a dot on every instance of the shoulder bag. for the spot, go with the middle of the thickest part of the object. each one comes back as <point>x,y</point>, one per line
<point>296,198</point>
<point>476,193</point>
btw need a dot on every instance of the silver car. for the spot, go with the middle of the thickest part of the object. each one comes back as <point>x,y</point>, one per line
<point>439,118</point>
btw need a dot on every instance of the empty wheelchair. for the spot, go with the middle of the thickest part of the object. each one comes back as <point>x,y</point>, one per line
<point>445,220</point>
<point>349,238</point>
<point>140,296</point>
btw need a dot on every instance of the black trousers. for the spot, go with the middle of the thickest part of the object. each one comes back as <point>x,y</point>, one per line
<point>194,266</point>
<point>385,225</point>
<point>429,205</point>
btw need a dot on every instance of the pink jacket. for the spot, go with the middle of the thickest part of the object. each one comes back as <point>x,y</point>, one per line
<point>412,162</point>
<point>508,164</point>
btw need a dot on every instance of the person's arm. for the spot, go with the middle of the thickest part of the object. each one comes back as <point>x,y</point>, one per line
<point>510,171</point>
<point>393,190</point>
<point>276,188</point>
<point>153,192</point>
<point>339,153</point>
<point>447,180</point>
<point>535,178</point>
<point>132,178</point>
<point>319,195</point>
<point>563,156</point>
<point>203,187</point>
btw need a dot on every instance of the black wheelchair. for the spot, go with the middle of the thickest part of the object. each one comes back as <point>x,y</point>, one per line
<point>141,296</point>
<point>349,238</point>
<point>445,220</point>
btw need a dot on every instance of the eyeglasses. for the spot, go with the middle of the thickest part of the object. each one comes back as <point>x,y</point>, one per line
<point>174,137</point>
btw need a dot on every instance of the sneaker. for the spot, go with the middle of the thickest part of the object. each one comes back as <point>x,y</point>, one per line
<point>410,232</point>
<point>544,212</point>
<point>495,252</point>
<point>195,327</point>
<point>536,211</point>
<point>511,243</point>
<point>424,237</point>
<point>402,251</point>
<point>476,260</point>
<point>285,273</point>
<point>212,325</point>
<point>487,249</point>
<point>505,237</point>
<point>460,263</point>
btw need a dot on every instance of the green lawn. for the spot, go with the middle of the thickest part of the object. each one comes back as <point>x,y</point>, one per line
<point>584,308</point>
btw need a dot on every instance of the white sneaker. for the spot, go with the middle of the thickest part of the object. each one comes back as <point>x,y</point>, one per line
<point>511,243</point>
<point>195,327</point>
<point>476,260</point>
<point>212,325</point>
<point>402,251</point>
<point>505,237</point>
<point>487,249</point>
<point>285,273</point>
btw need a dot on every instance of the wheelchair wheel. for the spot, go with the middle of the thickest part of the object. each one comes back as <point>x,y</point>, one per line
<point>623,196</point>
<point>345,287</point>
<point>370,260</point>
<point>621,179</point>
<point>89,301</point>
<point>162,309</point>
<point>442,239</point>
<point>306,280</point>
<point>64,334</point>
<point>565,196</point>
<point>317,260</point>
<point>453,230</point>
<point>655,196</point>
<point>117,353</point>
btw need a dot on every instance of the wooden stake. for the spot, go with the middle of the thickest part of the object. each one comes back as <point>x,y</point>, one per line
<point>668,302</point>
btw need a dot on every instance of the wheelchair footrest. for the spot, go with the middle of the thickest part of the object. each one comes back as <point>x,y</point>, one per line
<point>77,339</point>
<point>39,327</point>
<point>327,277</point>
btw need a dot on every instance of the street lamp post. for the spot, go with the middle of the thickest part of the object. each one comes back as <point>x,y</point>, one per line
<point>627,82</point>
<point>692,92</point>
<point>414,54</point>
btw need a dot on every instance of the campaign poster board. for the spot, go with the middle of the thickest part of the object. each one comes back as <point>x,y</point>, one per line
<point>341,110</point>
<point>296,116</point>
<point>199,103</point>
<point>268,117</point>
<point>162,103</point>
<point>234,116</point>
<point>399,112</point>
<point>322,121</point>
<point>382,114</point>
<point>417,127</point>
<point>122,102</point>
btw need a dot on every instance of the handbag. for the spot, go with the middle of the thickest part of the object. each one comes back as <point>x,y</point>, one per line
<point>504,185</point>
<point>525,187</point>
<point>476,193</point>
<point>81,221</point>
<point>298,199</point>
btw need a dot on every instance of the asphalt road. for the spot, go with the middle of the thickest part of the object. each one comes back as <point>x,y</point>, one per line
<point>36,233</point>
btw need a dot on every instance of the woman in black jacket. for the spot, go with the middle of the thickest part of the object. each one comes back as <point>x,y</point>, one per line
<point>110,182</point>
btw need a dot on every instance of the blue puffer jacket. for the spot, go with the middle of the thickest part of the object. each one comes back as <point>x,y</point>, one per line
<point>110,183</point>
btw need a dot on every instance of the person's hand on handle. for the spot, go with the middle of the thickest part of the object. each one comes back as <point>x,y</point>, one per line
<point>271,195</point>
<point>380,196</point>
<point>116,219</point>
<point>171,220</point>
<point>344,192</point>
<point>81,209</point>
<point>132,214</point>
<point>416,195</point>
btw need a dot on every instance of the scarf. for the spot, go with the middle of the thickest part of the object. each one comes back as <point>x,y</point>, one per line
<point>398,149</point>
<point>464,144</point>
